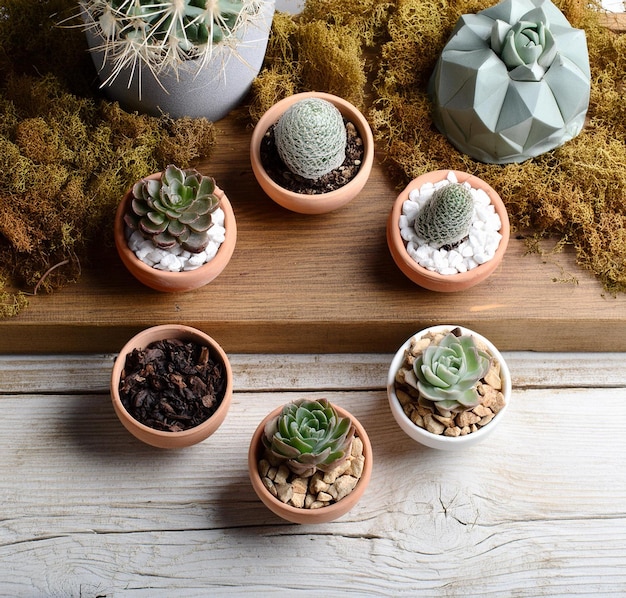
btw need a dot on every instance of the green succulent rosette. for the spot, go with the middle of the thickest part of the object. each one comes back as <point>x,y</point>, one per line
<point>175,209</point>
<point>512,82</point>
<point>309,436</point>
<point>448,373</point>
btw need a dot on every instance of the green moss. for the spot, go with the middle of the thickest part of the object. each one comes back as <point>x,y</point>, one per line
<point>66,157</point>
<point>574,194</point>
<point>65,161</point>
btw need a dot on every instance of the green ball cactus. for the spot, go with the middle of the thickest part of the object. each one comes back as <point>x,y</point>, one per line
<point>175,209</point>
<point>309,436</point>
<point>164,34</point>
<point>447,217</point>
<point>311,138</point>
<point>448,373</point>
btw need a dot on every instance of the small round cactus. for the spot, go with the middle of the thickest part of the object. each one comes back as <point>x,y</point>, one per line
<point>311,138</point>
<point>175,209</point>
<point>447,217</point>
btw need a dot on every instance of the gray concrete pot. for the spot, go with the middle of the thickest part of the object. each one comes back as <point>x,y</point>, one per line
<point>210,92</point>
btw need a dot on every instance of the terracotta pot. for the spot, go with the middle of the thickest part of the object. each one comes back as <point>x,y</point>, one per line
<point>323,202</point>
<point>164,281</point>
<point>433,280</point>
<point>422,435</point>
<point>161,438</point>
<point>302,515</point>
<point>210,91</point>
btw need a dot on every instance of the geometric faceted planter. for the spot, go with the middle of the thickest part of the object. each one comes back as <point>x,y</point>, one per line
<point>439,440</point>
<point>165,438</point>
<point>163,280</point>
<point>512,82</point>
<point>434,280</point>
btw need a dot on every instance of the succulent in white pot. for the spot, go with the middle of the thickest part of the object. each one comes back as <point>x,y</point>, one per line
<point>193,58</point>
<point>448,387</point>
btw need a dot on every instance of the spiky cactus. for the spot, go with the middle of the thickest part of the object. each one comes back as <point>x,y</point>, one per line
<point>309,435</point>
<point>311,138</point>
<point>447,217</point>
<point>175,209</point>
<point>448,373</point>
<point>162,34</point>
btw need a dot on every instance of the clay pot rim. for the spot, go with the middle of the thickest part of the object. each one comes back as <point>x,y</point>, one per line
<point>422,435</point>
<point>224,252</point>
<point>321,201</point>
<point>166,331</point>
<point>434,280</point>
<point>300,514</point>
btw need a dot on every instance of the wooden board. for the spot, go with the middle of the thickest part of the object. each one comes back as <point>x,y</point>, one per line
<point>302,284</point>
<point>537,509</point>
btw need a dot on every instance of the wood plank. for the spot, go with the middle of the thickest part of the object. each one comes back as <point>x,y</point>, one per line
<point>74,374</point>
<point>614,21</point>
<point>536,509</point>
<point>321,284</point>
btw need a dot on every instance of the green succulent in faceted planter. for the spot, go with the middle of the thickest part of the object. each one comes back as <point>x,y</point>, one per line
<point>448,387</point>
<point>310,461</point>
<point>512,82</point>
<point>175,230</point>
<point>193,58</point>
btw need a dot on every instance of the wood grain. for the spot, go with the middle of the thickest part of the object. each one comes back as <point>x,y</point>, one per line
<point>537,509</point>
<point>309,284</point>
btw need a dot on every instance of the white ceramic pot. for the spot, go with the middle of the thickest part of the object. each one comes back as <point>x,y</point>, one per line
<point>422,435</point>
<point>211,92</point>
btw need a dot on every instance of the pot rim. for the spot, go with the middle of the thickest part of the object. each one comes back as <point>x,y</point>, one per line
<point>441,282</point>
<point>130,260</point>
<point>348,110</point>
<point>422,435</point>
<point>165,331</point>
<point>300,514</point>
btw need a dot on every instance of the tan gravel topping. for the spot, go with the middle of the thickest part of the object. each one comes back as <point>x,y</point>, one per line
<point>446,422</point>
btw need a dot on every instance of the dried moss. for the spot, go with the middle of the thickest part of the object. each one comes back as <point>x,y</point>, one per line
<point>575,194</point>
<point>65,157</point>
<point>65,161</point>
<point>322,49</point>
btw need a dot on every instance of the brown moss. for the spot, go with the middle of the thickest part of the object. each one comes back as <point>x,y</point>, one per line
<point>65,162</point>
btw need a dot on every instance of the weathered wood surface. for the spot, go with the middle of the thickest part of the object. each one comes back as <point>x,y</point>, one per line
<point>537,509</point>
<point>321,284</point>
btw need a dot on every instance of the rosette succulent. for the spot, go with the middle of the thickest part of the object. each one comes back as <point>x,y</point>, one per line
<point>447,216</point>
<point>311,138</point>
<point>512,82</point>
<point>448,373</point>
<point>175,209</point>
<point>308,436</point>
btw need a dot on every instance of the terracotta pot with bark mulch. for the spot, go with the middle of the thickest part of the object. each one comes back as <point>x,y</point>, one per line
<point>171,386</point>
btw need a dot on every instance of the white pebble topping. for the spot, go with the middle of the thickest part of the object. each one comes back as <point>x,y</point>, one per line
<point>478,248</point>
<point>177,259</point>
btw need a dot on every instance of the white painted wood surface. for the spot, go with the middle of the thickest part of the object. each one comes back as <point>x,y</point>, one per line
<point>538,509</point>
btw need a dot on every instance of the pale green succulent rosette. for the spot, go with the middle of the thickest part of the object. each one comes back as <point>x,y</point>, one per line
<point>309,435</point>
<point>512,82</point>
<point>448,373</point>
